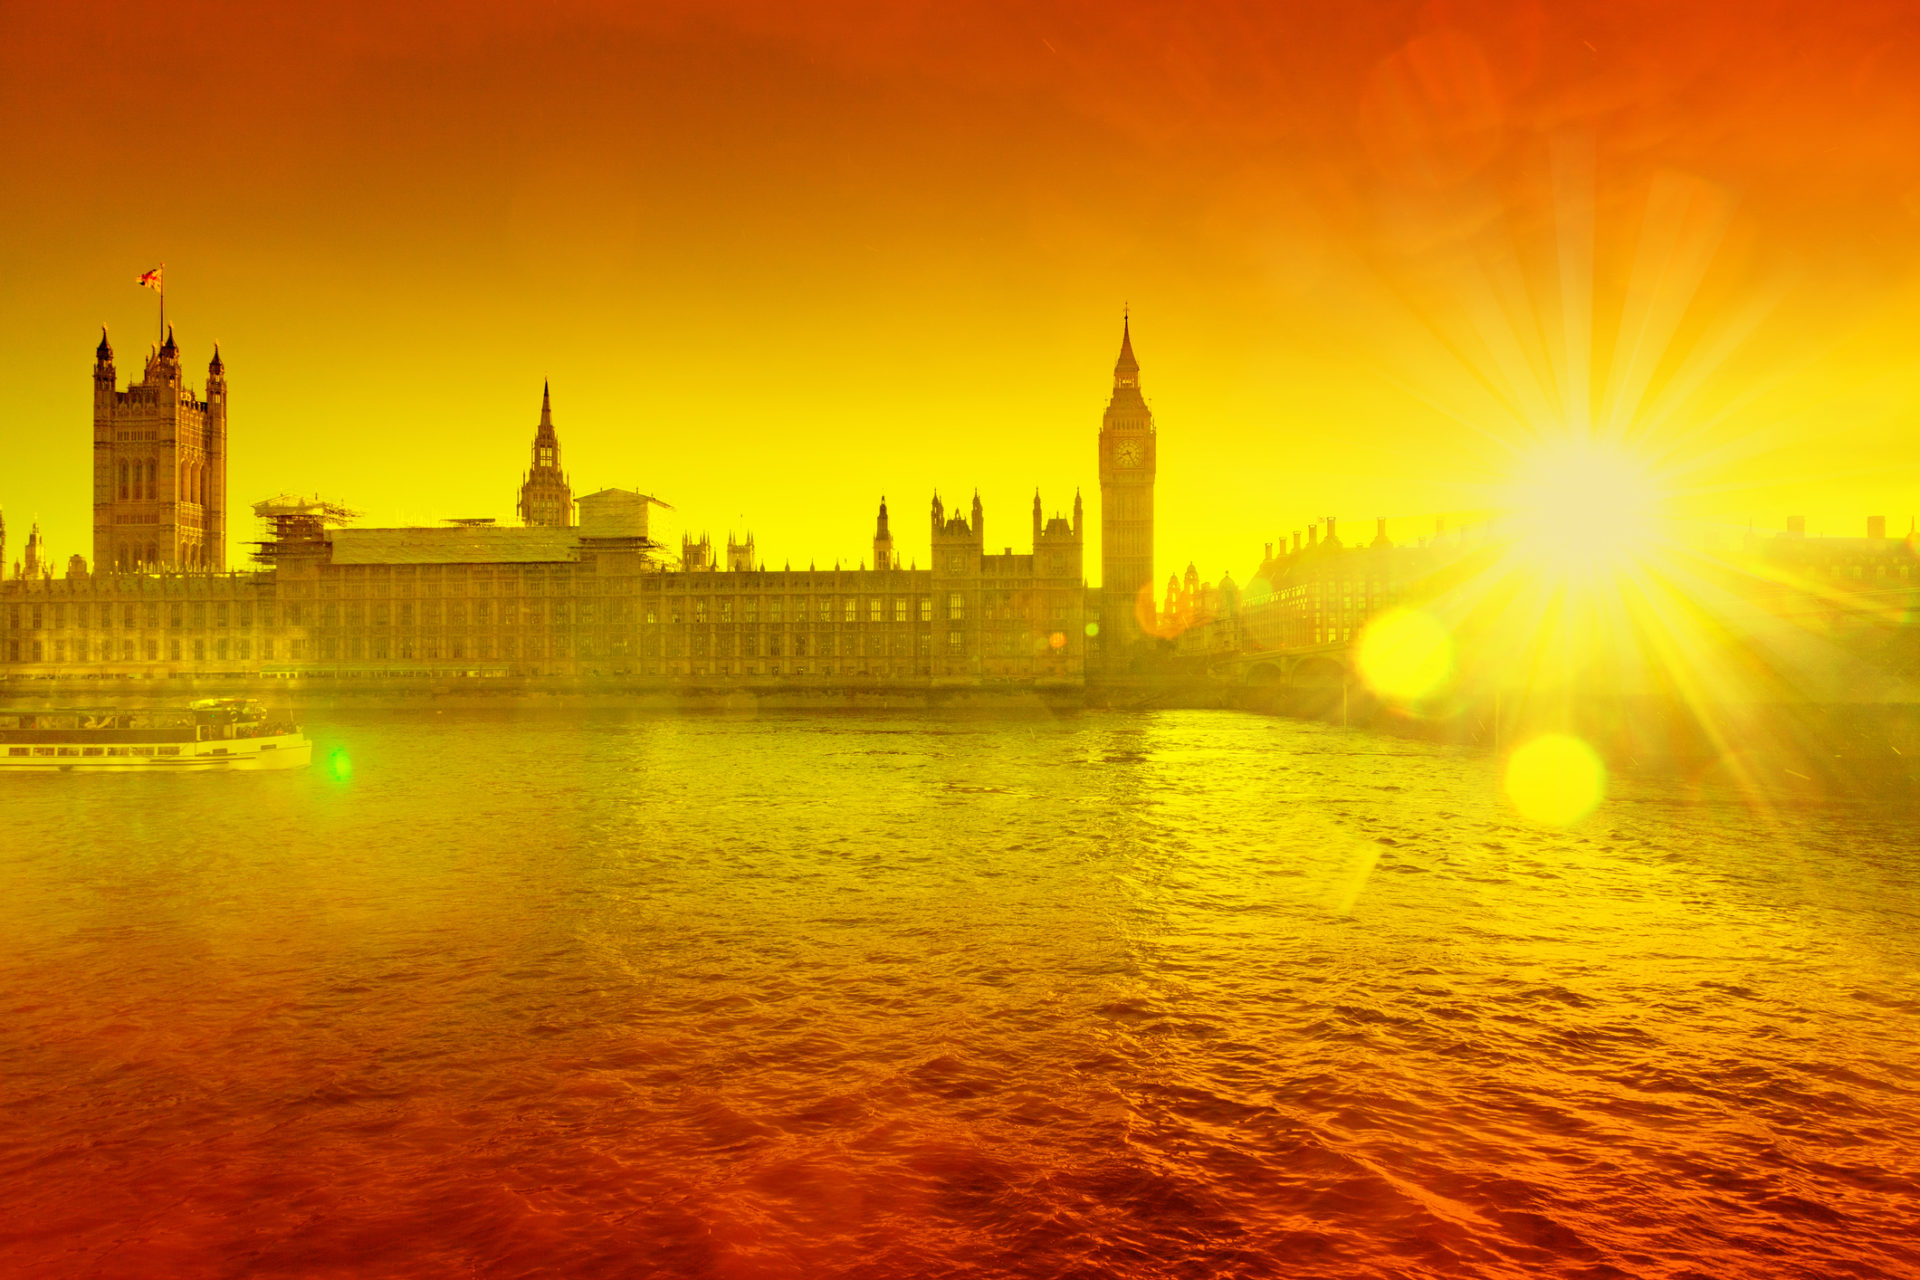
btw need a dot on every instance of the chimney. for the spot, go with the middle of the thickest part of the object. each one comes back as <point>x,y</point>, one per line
<point>1313,536</point>
<point>1296,542</point>
<point>1876,527</point>
<point>1269,551</point>
<point>1796,526</point>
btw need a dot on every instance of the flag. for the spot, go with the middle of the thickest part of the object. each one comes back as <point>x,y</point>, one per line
<point>151,279</point>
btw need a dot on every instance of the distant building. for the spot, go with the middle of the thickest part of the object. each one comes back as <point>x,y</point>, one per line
<point>1323,592</point>
<point>604,596</point>
<point>159,465</point>
<point>1202,619</point>
<point>545,496</point>
<point>593,600</point>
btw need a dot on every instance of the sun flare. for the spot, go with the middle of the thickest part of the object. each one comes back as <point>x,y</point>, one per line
<point>1581,506</point>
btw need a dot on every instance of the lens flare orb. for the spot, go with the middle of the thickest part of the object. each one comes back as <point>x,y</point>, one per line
<point>1405,654</point>
<point>1556,779</point>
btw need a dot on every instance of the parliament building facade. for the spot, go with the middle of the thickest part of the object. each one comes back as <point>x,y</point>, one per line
<point>599,594</point>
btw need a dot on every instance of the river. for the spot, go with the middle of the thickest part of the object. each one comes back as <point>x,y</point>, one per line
<point>505,993</point>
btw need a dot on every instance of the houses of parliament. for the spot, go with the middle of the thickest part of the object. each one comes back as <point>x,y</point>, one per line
<point>580,588</point>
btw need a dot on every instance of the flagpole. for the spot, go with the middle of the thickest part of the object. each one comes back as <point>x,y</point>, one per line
<point>163,304</point>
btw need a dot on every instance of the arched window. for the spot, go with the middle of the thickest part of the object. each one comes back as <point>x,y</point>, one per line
<point>186,482</point>
<point>123,479</point>
<point>200,484</point>
<point>153,556</point>
<point>152,489</point>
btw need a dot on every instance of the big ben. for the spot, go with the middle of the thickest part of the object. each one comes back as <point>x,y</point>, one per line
<point>1126,508</point>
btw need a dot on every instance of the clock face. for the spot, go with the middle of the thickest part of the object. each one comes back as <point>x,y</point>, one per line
<point>1128,454</point>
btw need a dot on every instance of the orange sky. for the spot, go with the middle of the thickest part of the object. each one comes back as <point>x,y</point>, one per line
<point>778,260</point>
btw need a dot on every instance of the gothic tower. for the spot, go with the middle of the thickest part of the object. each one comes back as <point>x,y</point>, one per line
<point>159,466</point>
<point>883,541</point>
<point>545,497</point>
<point>1126,507</point>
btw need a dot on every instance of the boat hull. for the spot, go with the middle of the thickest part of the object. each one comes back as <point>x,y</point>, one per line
<point>282,751</point>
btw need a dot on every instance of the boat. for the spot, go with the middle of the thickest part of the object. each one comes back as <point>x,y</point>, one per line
<point>212,733</point>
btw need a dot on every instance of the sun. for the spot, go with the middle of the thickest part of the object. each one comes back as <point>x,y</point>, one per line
<point>1580,506</point>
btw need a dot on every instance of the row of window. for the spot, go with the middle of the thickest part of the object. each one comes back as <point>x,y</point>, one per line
<point>433,647</point>
<point>148,649</point>
<point>92,751</point>
<point>337,586</point>
<point>128,614</point>
<point>198,615</point>
<point>133,557</point>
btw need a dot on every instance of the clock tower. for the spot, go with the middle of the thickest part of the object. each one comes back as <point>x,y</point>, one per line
<point>1126,508</point>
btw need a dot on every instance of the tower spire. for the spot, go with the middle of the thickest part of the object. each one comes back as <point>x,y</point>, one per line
<point>545,496</point>
<point>1126,364</point>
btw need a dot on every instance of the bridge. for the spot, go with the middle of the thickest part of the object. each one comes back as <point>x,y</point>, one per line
<point>1325,666</point>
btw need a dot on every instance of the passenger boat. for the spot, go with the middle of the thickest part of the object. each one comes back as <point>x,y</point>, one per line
<point>213,733</point>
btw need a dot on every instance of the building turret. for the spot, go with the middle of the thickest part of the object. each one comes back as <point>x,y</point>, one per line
<point>882,539</point>
<point>1076,512</point>
<point>164,364</point>
<point>1036,515</point>
<point>979,519</point>
<point>32,566</point>
<point>104,379</point>
<point>740,554</point>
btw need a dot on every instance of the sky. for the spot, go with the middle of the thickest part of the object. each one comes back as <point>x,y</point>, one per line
<point>780,260</point>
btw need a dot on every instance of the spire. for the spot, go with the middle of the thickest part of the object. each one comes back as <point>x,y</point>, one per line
<point>1126,364</point>
<point>216,365</point>
<point>168,348</point>
<point>546,403</point>
<point>104,352</point>
<point>880,528</point>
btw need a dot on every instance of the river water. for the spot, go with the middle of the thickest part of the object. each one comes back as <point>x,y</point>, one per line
<point>1179,994</point>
